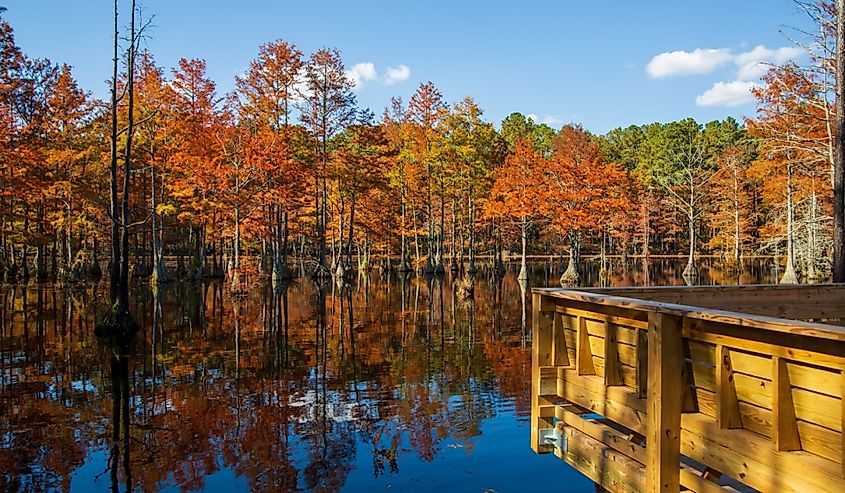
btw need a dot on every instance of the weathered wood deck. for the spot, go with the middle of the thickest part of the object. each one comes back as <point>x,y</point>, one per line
<point>708,389</point>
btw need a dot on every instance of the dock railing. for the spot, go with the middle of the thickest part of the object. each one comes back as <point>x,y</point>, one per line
<point>705,389</point>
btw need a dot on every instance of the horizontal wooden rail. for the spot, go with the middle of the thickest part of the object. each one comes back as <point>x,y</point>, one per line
<point>674,394</point>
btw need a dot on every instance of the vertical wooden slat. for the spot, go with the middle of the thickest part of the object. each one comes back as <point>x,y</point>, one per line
<point>583,353</point>
<point>541,352</point>
<point>612,368</point>
<point>784,426</point>
<point>642,363</point>
<point>560,357</point>
<point>663,417</point>
<point>542,336</point>
<point>727,406</point>
<point>690,403</point>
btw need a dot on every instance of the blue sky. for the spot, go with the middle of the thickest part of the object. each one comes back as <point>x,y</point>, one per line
<point>588,62</point>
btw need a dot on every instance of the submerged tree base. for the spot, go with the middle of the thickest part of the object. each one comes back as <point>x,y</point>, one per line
<point>789,276</point>
<point>690,273</point>
<point>571,278</point>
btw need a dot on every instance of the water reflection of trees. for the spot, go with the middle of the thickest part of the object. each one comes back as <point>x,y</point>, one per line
<point>285,386</point>
<point>289,387</point>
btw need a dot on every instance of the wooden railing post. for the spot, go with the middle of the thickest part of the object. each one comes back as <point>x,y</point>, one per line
<point>664,394</point>
<point>541,355</point>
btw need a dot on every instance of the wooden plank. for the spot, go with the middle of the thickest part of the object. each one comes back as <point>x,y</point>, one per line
<point>663,433</point>
<point>595,429</point>
<point>802,302</point>
<point>625,334</point>
<point>814,379</point>
<point>701,333</point>
<point>616,403</point>
<point>811,332</point>
<point>609,469</point>
<point>696,481</point>
<point>560,355</point>
<point>628,373</point>
<point>741,454</point>
<point>584,354</point>
<point>842,432</point>
<point>784,426</point>
<point>618,441</point>
<point>748,457</point>
<point>612,366</point>
<point>631,318</point>
<point>727,407</point>
<point>626,354</point>
<point>801,375</point>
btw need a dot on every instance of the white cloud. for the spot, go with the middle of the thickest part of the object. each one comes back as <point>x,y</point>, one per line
<point>396,74</point>
<point>361,73</point>
<point>753,64</point>
<point>697,62</point>
<point>727,94</point>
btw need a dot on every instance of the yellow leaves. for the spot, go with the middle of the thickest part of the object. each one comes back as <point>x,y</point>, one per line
<point>165,209</point>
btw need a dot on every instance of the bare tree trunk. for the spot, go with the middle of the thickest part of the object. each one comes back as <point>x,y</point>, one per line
<point>471,267</point>
<point>812,246</point>
<point>114,280</point>
<point>158,274</point>
<point>523,267</point>
<point>127,169</point>
<point>839,151</point>
<point>351,233</point>
<point>737,243</point>
<point>404,265</point>
<point>789,275</point>
<point>236,264</point>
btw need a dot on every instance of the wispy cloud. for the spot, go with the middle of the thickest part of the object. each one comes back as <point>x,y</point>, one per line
<point>365,73</point>
<point>396,74</point>
<point>753,64</point>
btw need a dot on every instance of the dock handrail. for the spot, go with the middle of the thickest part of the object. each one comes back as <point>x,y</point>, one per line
<point>753,397</point>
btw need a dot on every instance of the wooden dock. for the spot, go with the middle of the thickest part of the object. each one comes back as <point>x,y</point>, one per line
<point>707,389</point>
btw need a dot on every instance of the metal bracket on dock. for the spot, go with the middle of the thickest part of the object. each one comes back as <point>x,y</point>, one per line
<point>553,437</point>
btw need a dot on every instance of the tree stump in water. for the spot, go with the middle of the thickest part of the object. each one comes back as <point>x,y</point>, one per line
<point>570,278</point>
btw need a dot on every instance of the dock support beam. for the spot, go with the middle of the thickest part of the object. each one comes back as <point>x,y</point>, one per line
<point>664,397</point>
<point>541,356</point>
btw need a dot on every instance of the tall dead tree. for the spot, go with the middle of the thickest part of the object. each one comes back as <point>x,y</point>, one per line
<point>839,150</point>
<point>119,213</point>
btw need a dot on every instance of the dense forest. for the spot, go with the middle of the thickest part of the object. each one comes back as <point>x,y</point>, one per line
<point>287,167</point>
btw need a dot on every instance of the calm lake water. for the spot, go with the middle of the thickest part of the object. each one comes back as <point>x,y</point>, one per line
<point>396,384</point>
